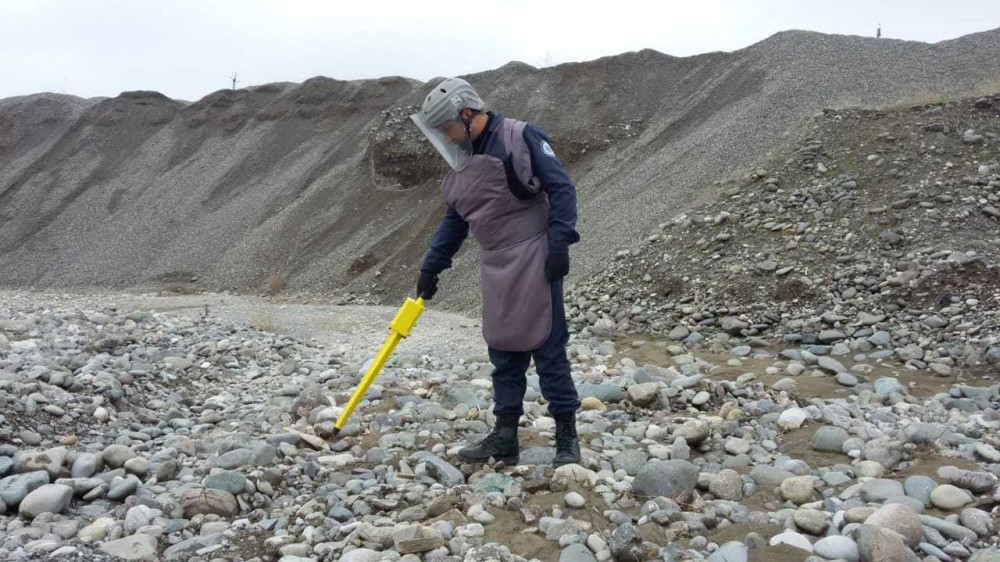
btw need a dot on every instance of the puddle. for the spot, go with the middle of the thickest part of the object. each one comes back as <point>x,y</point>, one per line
<point>739,531</point>
<point>781,553</point>
<point>928,465</point>
<point>796,444</point>
<point>920,383</point>
<point>509,526</point>
<point>508,531</point>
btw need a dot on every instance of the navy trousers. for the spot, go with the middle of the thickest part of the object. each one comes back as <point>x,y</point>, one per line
<point>551,363</point>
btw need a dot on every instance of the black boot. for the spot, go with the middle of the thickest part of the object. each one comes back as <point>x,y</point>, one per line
<point>567,443</point>
<point>501,445</point>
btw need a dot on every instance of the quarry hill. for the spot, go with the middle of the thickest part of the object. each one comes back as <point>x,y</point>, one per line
<point>324,186</point>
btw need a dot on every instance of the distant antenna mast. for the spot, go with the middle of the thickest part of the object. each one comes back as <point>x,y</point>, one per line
<point>878,32</point>
<point>234,81</point>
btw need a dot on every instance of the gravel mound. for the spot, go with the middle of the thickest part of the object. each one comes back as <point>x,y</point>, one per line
<point>874,232</point>
<point>314,187</point>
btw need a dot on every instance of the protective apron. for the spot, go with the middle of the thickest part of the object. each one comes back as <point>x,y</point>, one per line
<point>512,232</point>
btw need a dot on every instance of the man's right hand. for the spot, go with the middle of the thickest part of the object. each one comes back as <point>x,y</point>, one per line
<point>427,285</point>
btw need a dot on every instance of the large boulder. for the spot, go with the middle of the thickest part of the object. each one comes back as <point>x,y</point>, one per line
<point>878,544</point>
<point>665,478</point>
<point>798,490</point>
<point>208,501</point>
<point>50,498</point>
<point>899,518</point>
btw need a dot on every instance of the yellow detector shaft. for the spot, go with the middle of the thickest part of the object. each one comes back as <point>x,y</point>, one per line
<point>400,327</point>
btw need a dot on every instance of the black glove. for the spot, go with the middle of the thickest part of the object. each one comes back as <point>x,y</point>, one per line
<point>556,267</point>
<point>427,285</point>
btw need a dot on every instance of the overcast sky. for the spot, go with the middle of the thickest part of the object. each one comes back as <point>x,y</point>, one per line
<point>189,48</point>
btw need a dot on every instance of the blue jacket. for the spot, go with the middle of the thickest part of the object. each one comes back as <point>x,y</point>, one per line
<point>556,184</point>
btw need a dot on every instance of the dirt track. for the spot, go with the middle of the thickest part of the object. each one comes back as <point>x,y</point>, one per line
<point>439,334</point>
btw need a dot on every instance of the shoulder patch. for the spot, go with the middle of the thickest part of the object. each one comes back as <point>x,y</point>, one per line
<point>547,149</point>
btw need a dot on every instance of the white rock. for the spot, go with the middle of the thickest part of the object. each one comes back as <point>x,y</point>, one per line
<point>361,555</point>
<point>869,469</point>
<point>837,548</point>
<point>341,460</point>
<point>135,547</point>
<point>139,516</point>
<point>24,346</point>
<point>798,489</point>
<point>988,452</point>
<point>737,446</point>
<point>950,497</point>
<point>474,530</point>
<point>178,363</point>
<point>50,498</point>
<point>95,531</point>
<point>791,538</point>
<point>544,423</point>
<point>792,418</point>
<point>661,452</point>
<point>575,500</point>
<point>576,473</point>
<point>484,517</point>
<point>899,518</point>
<point>596,543</point>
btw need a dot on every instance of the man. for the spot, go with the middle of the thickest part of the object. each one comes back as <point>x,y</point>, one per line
<point>510,189</point>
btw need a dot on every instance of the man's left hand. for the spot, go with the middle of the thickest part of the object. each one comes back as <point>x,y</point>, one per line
<point>556,267</point>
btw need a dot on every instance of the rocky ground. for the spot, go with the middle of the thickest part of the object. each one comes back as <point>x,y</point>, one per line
<point>183,435</point>
<point>875,230</point>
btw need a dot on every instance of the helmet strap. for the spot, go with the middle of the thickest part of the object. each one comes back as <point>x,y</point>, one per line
<point>468,122</point>
<point>468,125</point>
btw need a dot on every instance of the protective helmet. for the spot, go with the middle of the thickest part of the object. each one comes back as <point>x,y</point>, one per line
<point>440,121</point>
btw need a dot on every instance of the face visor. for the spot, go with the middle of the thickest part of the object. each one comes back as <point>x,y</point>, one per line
<point>449,136</point>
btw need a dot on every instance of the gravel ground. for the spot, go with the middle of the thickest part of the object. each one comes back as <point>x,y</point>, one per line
<point>353,327</point>
<point>146,428</point>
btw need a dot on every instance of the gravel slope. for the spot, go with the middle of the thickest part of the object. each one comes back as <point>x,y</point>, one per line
<point>318,186</point>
